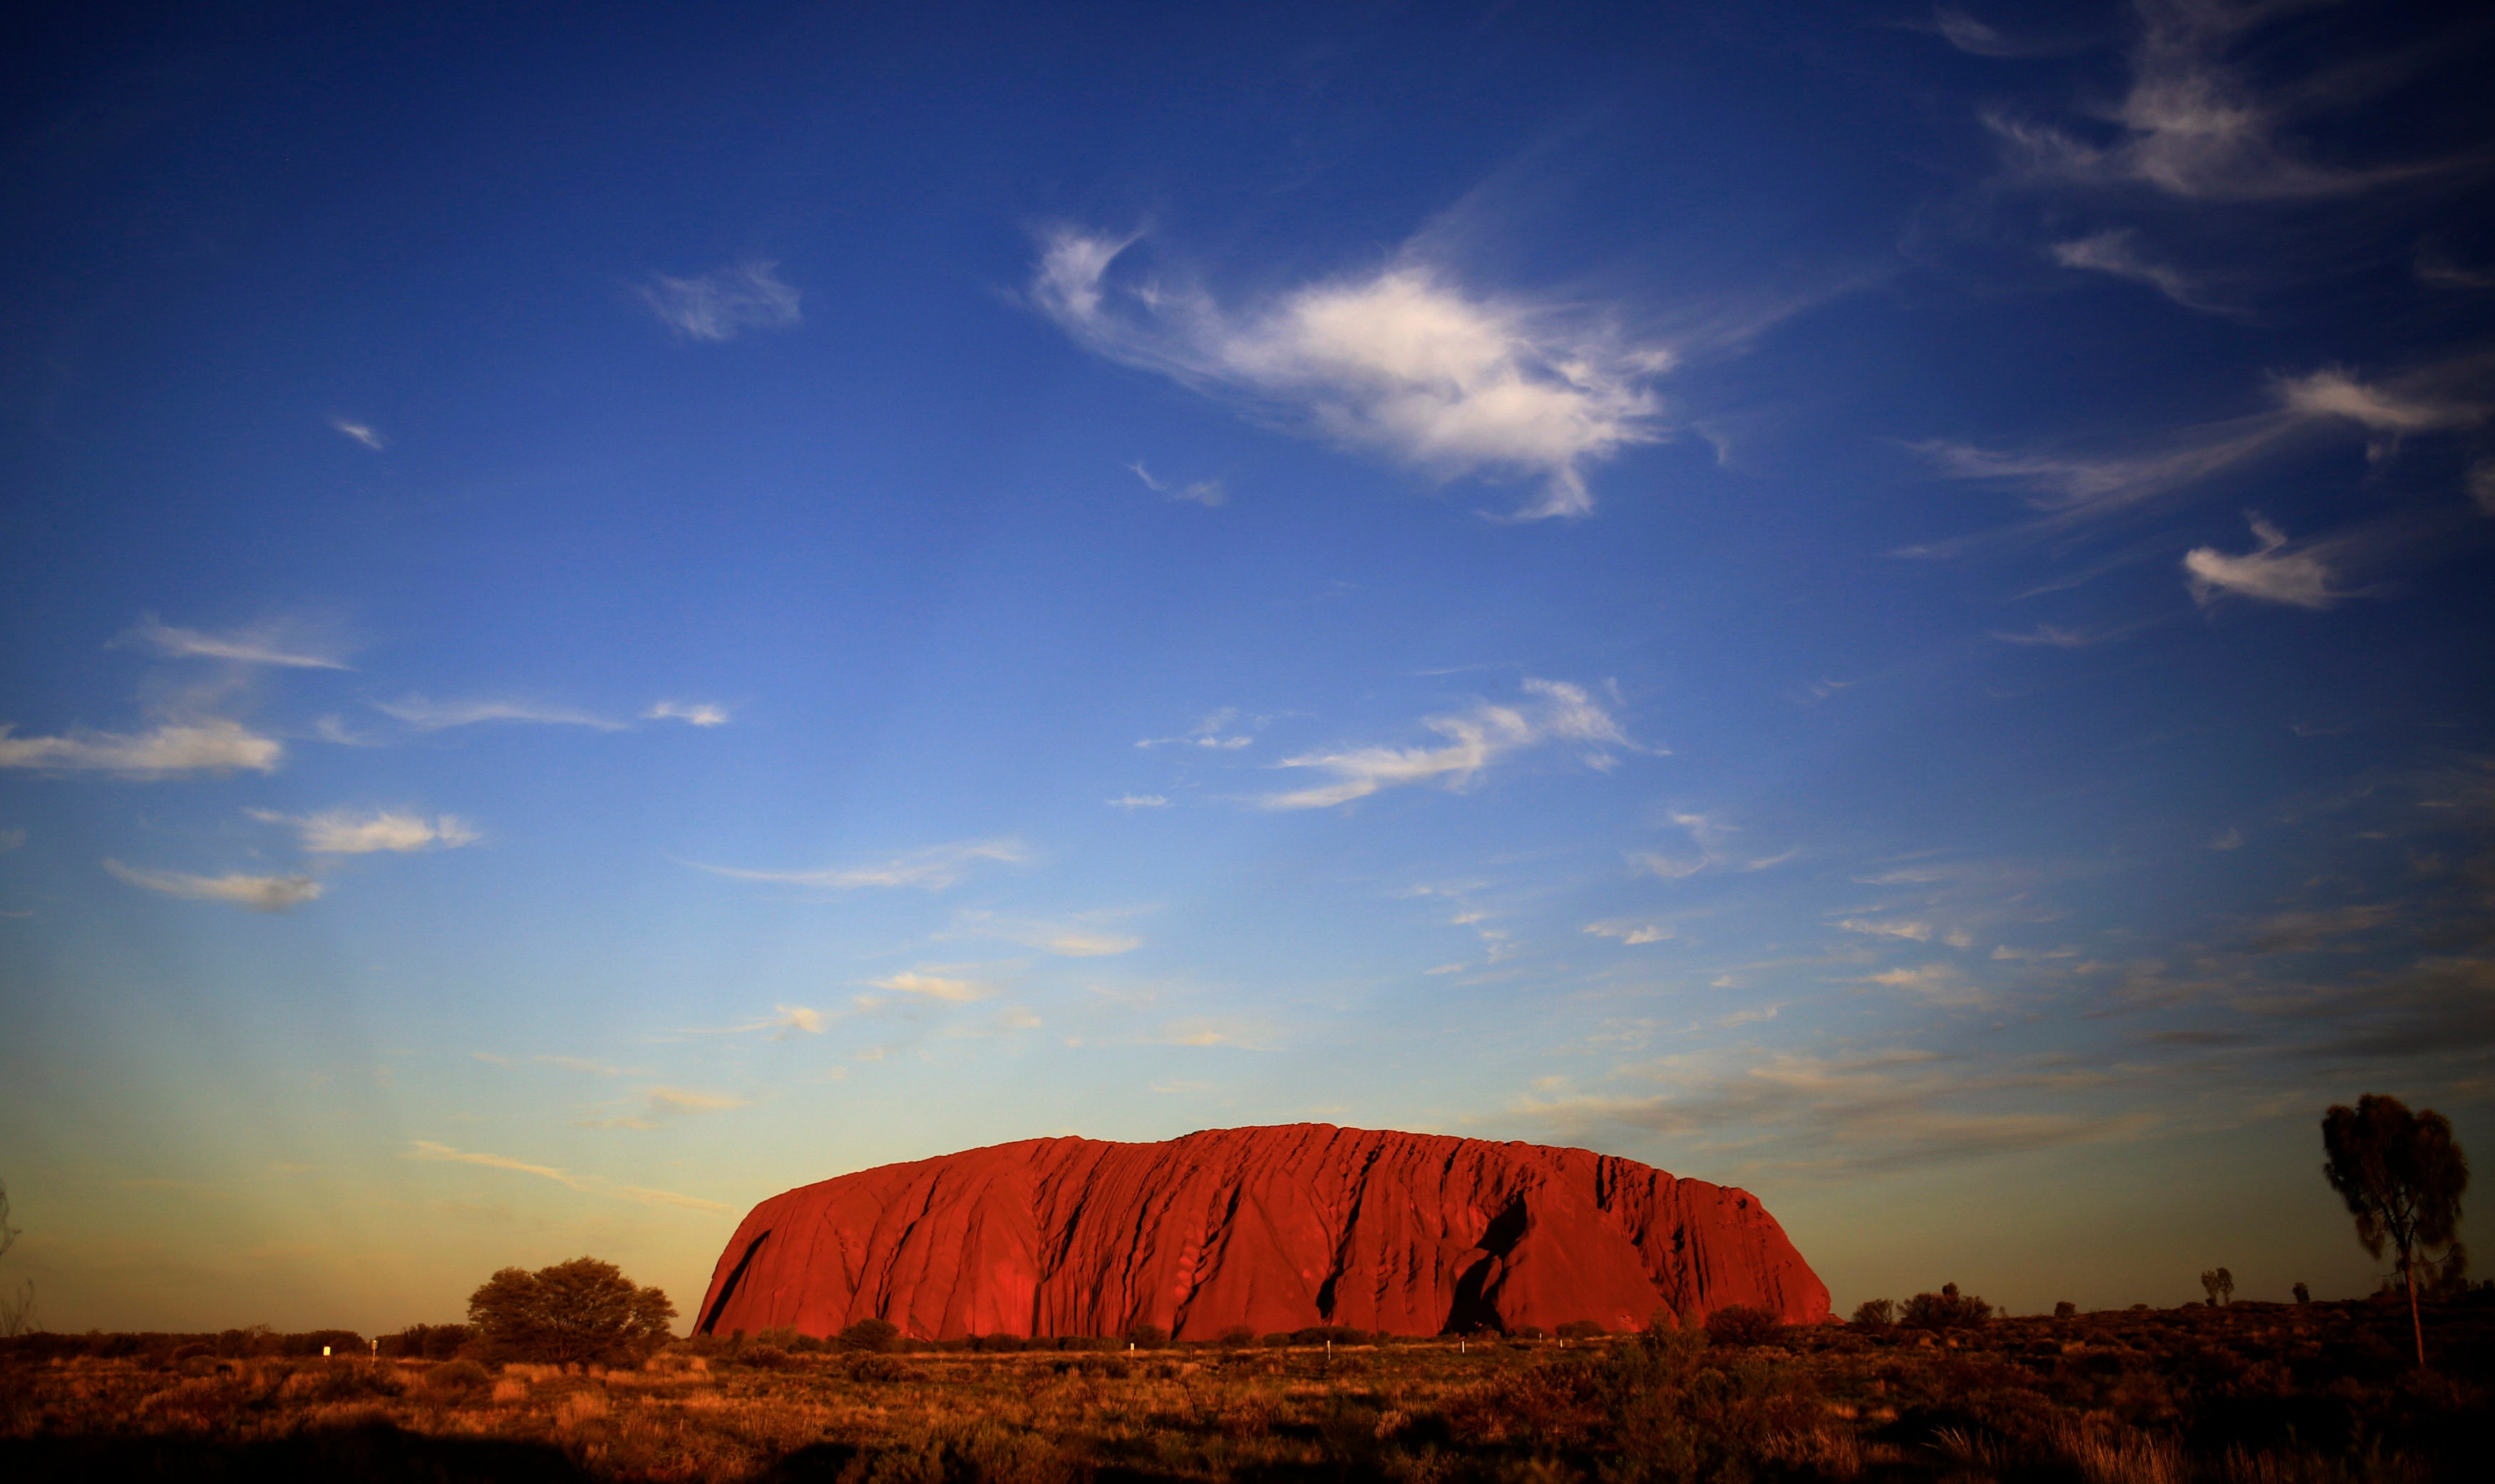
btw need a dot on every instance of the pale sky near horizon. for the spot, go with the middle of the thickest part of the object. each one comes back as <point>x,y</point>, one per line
<point>602,619</point>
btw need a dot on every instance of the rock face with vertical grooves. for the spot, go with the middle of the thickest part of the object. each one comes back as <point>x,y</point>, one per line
<point>1277,1229</point>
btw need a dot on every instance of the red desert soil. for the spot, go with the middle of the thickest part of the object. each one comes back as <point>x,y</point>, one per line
<point>1276,1229</point>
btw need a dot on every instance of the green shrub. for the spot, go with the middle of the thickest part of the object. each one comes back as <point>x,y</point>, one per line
<point>1582,1329</point>
<point>1875,1314</point>
<point>2066,1310</point>
<point>765,1357</point>
<point>1147,1337</point>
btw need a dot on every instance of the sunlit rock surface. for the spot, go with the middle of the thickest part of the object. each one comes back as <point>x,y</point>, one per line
<point>1274,1228</point>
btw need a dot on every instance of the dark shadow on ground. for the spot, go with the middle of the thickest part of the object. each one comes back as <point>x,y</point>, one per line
<point>383,1455</point>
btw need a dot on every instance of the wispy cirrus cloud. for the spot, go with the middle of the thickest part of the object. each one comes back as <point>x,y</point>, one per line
<point>725,303</point>
<point>587,1185</point>
<point>1213,732</point>
<point>2071,489</point>
<point>1630,933</point>
<point>2194,123</point>
<point>1208,493</point>
<point>1087,934</point>
<point>362,432</point>
<point>287,645</point>
<point>259,893</point>
<point>1131,802</point>
<point>933,986</point>
<point>658,1106</point>
<point>1475,739</point>
<point>1404,361</point>
<point>692,713</point>
<point>212,745</point>
<point>426,715</point>
<point>355,833</point>
<point>2117,254</point>
<point>932,869</point>
<point>2063,637</point>
<point>2271,571</point>
<point>784,1022</point>
<point>1941,984</point>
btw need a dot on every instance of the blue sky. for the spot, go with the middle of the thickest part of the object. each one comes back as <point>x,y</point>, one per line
<point>605,618</point>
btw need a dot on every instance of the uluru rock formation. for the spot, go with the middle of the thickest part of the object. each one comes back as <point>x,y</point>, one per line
<point>1277,1229</point>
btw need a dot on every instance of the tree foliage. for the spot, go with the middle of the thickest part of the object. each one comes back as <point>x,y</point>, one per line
<point>1875,1314</point>
<point>2402,1175</point>
<point>1945,1309</point>
<point>872,1334</point>
<point>578,1311</point>
<point>2220,1286</point>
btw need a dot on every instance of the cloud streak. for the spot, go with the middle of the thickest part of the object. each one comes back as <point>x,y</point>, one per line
<point>932,869</point>
<point>427,1150</point>
<point>720,305</point>
<point>426,715</point>
<point>279,644</point>
<point>2271,572</point>
<point>259,893</point>
<point>1475,739</point>
<point>1403,363</point>
<point>214,746</point>
<point>349,832</point>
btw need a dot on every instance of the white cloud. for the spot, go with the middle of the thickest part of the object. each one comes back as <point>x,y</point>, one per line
<point>2482,484</point>
<point>426,1149</point>
<point>579,1063</point>
<point>433,716</point>
<point>1213,1031</point>
<point>1936,983</point>
<point>2115,253</point>
<point>1915,932</point>
<point>347,832</point>
<point>1402,361</point>
<point>259,893</point>
<point>2335,392</point>
<point>661,1104</point>
<point>723,304</point>
<point>2193,126</point>
<point>2228,838</point>
<point>1630,933</point>
<point>1475,739</point>
<point>1208,733</point>
<point>2071,489</point>
<point>932,869</point>
<point>12,839</point>
<point>932,986</point>
<point>784,1023</point>
<point>2057,636</point>
<point>1208,493</point>
<point>1131,802</point>
<point>2269,572</point>
<point>1079,937</point>
<point>175,747</point>
<point>284,644</point>
<point>695,713</point>
<point>362,432</point>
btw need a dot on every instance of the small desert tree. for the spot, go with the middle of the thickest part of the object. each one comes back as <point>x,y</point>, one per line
<point>576,1311</point>
<point>18,1305</point>
<point>2402,1176</point>
<point>2220,1286</point>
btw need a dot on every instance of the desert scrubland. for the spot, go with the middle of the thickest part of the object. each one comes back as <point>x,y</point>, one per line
<point>2246,1392</point>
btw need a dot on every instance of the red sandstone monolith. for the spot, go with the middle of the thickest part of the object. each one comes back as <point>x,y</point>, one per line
<point>1277,1229</point>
